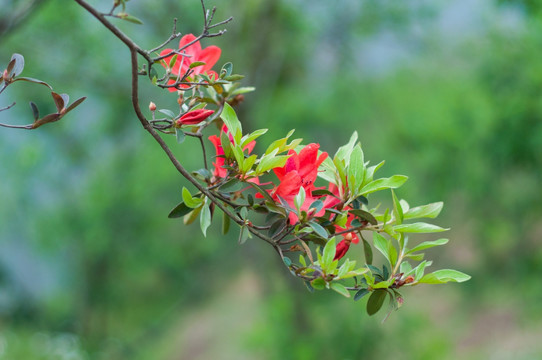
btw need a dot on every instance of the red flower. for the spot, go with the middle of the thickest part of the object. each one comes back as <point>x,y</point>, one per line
<point>299,171</point>
<point>194,53</point>
<point>193,117</point>
<point>220,171</point>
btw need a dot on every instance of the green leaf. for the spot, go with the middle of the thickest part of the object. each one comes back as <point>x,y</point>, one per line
<point>419,270</point>
<point>244,234</point>
<point>234,77</point>
<point>364,215</point>
<point>302,260</point>
<point>179,210</point>
<point>172,61</point>
<point>397,209</point>
<point>189,200</point>
<point>356,170</point>
<point>368,251</point>
<point>205,219</point>
<point>329,254</point>
<point>179,134</point>
<point>340,289</point>
<point>130,18</point>
<point>18,65</point>
<point>192,216</point>
<point>405,268</point>
<point>419,227</point>
<point>196,64</point>
<point>375,301</point>
<point>248,162</point>
<point>427,245</point>
<point>444,276</point>
<point>371,171</point>
<point>242,90</point>
<point>268,162</point>
<point>247,139</point>
<point>317,205</point>
<point>319,229</point>
<point>361,294</point>
<point>232,122</point>
<point>318,284</point>
<point>299,199</point>
<point>344,151</point>
<point>225,223</point>
<point>384,246</point>
<point>384,183</point>
<point>168,113</point>
<point>226,70</point>
<point>425,211</point>
<point>287,261</point>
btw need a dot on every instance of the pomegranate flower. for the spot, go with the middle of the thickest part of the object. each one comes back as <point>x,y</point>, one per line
<point>191,54</point>
<point>193,117</point>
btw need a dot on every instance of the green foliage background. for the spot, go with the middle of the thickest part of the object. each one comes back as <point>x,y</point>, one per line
<point>449,94</point>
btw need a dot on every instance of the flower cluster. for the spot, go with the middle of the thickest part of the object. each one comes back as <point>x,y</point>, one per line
<point>315,205</point>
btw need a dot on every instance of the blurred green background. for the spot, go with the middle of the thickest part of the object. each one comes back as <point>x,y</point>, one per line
<point>448,93</point>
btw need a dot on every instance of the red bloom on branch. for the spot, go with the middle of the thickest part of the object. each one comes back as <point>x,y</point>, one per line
<point>299,171</point>
<point>193,117</point>
<point>220,171</point>
<point>193,53</point>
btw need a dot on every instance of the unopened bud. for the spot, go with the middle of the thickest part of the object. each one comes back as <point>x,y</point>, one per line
<point>180,100</point>
<point>152,106</point>
<point>409,279</point>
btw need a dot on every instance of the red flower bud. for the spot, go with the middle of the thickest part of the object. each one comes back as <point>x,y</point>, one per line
<point>194,117</point>
<point>152,106</point>
<point>342,248</point>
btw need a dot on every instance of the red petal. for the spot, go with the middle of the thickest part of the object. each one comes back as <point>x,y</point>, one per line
<point>209,56</point>
<point>289,186</point>
<point>193,49</point>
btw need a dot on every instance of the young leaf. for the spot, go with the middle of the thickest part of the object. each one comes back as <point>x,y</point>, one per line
<point>419,227</point>
<point>189,200</point>
<point>397,209</point>
<point>18,65</point>
<point>425,211</point>
<point>427,245</point>
<point>205,219</point>
<point>344,151</point>
<point>194,64</point>
<point>299,199</point>
<point>356,170</point>
<point>383,245</point>
<point>232,122</point>
<point>385,183</point>
<point>328,254</point>
<point>444,276</point>
<point>340,289</point>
